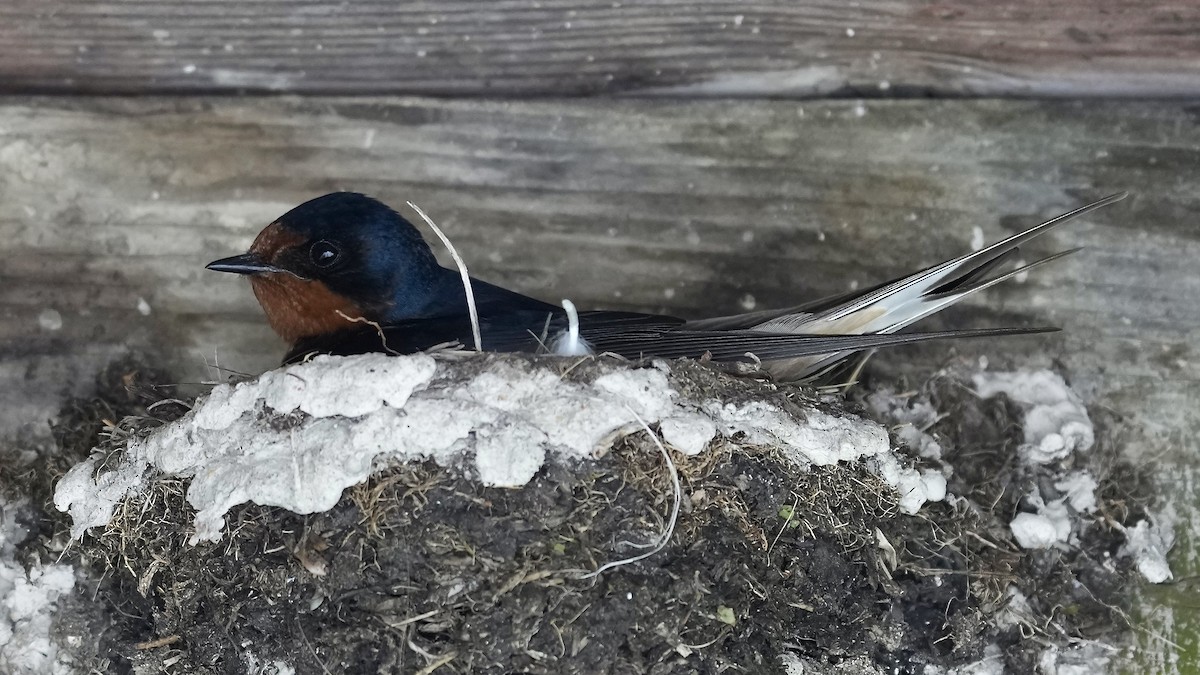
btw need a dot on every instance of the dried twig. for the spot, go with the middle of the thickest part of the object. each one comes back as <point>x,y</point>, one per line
<point>160,642</point>
<point>374,324</point>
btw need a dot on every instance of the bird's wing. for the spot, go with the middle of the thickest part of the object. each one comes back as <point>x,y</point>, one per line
<point>511,330</point>
<point>514,330</point>
<point>752,345</point>
<point>628,334</point>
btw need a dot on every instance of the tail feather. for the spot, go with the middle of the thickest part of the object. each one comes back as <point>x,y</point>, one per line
<point>892,306</point>
<point>915,285</point>
<point>970,276</point>
<point>961,275</point>
<point>930,304</point>
<point>977,285</point>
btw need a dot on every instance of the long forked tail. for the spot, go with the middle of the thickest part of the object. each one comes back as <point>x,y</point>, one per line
<point>896,304</point>
<point>906,300</point>
<point>899,303</point>
<point>951,281</point>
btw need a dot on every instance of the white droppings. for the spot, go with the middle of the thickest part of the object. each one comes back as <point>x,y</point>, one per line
<point>92,498</point>
<point>911,417</point>
<point>143,307</point>
<point>1048,525</point>
<point>189,69</point>
<point>28,602</point>
<point>1056,422</point>
<point>688,433</point>
<point>1035,530</point>
<point>860,109</point>
<point>914,487</point>
<point>824,439</point>
<point>1148,543</point>
<point>1079,489</point>
<point>748,302</point>
<point>160,34</point>
<point>849,32</point>
<point>348,388</point>
<point>737,20</point>
<point>668,293</point>
<point>49,319</point>
<point>361,413</point>
<point>934,483</point>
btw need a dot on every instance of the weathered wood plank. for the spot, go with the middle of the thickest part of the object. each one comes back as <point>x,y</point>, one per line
<point>698,208</point>
<point>588,47</point>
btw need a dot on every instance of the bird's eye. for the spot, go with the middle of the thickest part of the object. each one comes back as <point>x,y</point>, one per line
<point>323,254</point>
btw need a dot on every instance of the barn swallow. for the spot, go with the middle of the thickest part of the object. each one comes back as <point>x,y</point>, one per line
<point>345,274</point>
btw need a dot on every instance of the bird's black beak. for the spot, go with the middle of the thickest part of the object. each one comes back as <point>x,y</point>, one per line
<point>247,263</point>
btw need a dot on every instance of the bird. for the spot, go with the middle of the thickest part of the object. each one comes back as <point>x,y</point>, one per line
<point>345,274</point>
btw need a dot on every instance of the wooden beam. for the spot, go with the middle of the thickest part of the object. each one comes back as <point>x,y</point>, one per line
<point>113,206</point>
<point>777,48</point>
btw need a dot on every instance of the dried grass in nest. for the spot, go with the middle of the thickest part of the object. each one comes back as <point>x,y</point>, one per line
<point>843,503</point>
<point>775,507</point>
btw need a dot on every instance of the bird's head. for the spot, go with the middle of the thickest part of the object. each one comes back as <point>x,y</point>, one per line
<point>334,260</point>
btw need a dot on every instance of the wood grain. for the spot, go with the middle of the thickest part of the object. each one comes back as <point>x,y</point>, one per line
<point>111,207</point>
<point>778,48</point>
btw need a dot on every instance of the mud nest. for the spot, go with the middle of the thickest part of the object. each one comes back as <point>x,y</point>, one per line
<point>421,570</point>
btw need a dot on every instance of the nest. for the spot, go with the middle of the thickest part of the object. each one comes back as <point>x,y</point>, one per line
<point>421,569</point>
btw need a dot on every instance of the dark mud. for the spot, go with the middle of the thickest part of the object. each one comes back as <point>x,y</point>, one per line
<point>421,570</point>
